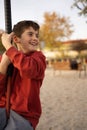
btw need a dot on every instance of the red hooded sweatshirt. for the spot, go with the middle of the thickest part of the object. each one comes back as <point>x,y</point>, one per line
<point>28,74</point>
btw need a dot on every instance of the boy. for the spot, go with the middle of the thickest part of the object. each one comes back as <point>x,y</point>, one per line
<point>28,74</point>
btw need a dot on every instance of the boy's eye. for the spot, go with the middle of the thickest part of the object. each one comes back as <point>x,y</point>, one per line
<point>30,34</point>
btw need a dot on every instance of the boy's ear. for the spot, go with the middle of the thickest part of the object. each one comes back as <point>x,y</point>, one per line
<point>16,39</point>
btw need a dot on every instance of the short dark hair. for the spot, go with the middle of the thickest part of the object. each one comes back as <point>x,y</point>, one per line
<point>20,27</point>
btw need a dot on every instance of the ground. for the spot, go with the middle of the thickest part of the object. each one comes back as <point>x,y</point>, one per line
<point>64,101</point>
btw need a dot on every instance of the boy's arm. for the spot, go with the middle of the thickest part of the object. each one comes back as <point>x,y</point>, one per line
<point>4,62</point>
<point>2,83</point>
<point>32,65</point>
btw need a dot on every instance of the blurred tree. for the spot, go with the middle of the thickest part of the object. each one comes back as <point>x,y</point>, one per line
<point>54,29</point>
<point>79,46</point>
<point>81,5</point>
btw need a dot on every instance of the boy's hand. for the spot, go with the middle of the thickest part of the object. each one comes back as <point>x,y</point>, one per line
<point>6,40</point>
<point>5,61</point>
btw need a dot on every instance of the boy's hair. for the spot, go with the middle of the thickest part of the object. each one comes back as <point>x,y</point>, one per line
<point>20,27</point>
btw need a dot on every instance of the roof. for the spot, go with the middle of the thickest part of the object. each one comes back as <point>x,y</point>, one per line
<point>75,41</point>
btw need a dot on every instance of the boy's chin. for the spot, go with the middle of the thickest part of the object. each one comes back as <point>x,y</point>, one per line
<point>31,50</point>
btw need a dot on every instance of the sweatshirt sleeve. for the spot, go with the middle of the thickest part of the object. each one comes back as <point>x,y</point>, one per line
<point>32,65</point>
<point>2,84</point>
<point>2,81</point>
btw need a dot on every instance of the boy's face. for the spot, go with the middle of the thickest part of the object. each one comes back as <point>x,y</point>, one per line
<point>28,41</point>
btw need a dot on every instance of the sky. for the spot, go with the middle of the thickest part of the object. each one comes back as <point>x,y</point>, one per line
<point>35,9</point>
